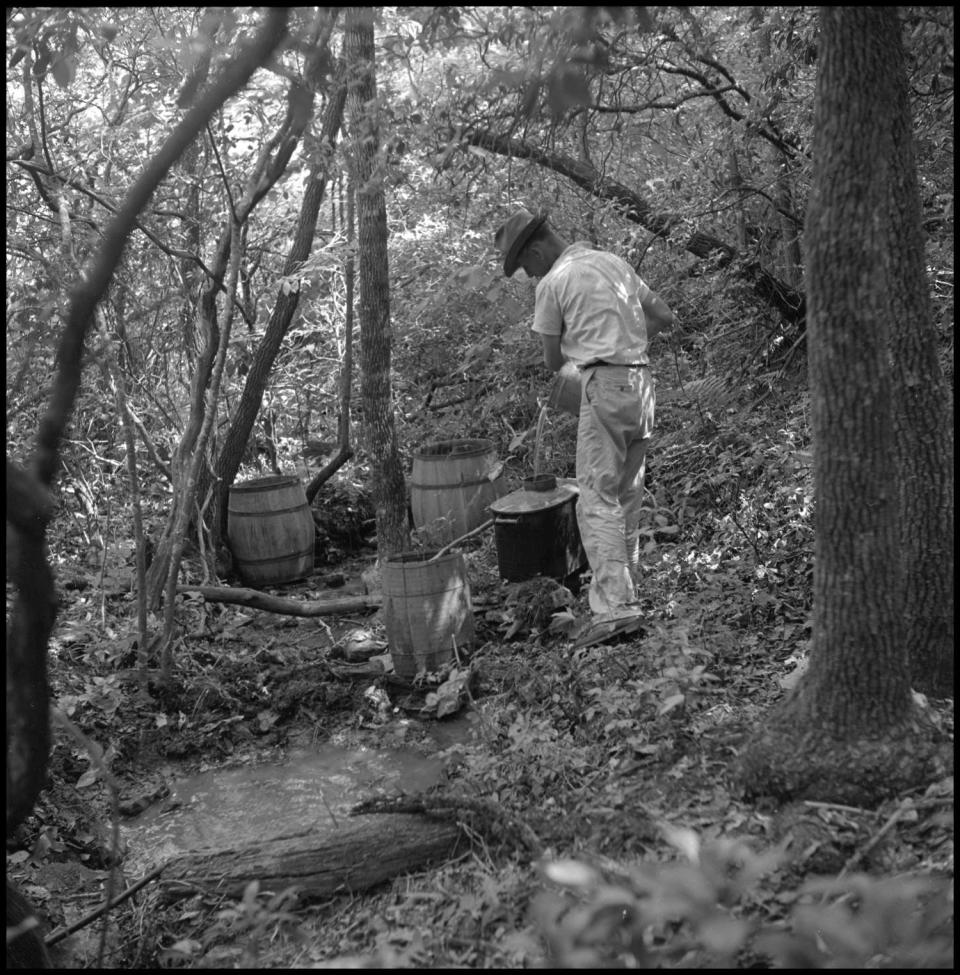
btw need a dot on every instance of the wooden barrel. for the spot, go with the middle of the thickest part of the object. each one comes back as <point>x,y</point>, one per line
<point>426,609</point>
<point>452,485</point>
<point>270,530</point>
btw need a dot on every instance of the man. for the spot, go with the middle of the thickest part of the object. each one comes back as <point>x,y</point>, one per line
<point>594,313</point>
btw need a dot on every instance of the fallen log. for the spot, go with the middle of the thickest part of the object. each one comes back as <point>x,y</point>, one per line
<point>288,607</point>
<point>356,854</point>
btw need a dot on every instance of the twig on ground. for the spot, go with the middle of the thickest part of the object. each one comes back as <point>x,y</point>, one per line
<point>62,933</point>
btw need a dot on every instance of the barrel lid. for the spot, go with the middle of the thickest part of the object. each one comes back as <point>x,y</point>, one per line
<point>454,448</point>
<point>521,502</point>
<point>262,483</point>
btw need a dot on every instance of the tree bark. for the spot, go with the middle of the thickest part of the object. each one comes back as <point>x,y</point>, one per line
<point>356,854</point>
<point>29,509</point>
<point>388,488</point>
<point>851,732</point>
<point>923,425</point>
<point>777,160</point>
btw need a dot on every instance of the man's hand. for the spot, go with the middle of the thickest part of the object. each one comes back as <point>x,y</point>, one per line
<point>658,315</point>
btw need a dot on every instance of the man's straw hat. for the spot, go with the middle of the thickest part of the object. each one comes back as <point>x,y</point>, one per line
<point>513,236</point>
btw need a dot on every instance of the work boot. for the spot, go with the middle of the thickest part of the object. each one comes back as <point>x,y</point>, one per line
<point>625,620</point>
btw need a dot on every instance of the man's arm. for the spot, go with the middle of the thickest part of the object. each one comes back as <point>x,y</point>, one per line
<point>658,314</point>
<point>548,324</point>
<point>552,356</point>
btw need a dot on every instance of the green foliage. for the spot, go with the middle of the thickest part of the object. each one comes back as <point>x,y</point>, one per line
<point>681,681</point>
<point>101,694</point>
<point>535,607</point>
<point>450,694</point>
<point>860,921</point>
<point>689,915</point>
<point>706,112</point>
<point>444,68</point>
<point>239,934</point>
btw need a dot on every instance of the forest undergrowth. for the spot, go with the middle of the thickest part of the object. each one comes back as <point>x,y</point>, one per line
<point>620,838</point>
<point>594,788</point>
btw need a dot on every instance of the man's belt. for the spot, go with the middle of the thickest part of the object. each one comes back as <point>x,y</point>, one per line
<point>626,365</point>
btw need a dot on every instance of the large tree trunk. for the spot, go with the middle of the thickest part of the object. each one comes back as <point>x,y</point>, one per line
<point>851,732</point>
<point>359,853</point>
<point>29,509</point>
<point>923,425</point>
<point>388,488</point>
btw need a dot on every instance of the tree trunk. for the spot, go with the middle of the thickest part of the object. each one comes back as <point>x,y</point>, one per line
<point>388,488</point>
<point>789,233</point>
<point>851,732</point>
<point>791,258</point>
<point>359,853</point>
<point>29,510</point>
<point>191,238</point>
<point>923,426</point>
<point>735,182</point>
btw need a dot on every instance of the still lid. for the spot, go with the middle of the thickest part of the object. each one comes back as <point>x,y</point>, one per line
<point>522,501</point>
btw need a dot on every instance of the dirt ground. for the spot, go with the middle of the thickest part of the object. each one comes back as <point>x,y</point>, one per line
<point>615,760</point>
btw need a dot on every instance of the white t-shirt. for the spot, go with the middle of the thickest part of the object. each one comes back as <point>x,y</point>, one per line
<point>591,299</point>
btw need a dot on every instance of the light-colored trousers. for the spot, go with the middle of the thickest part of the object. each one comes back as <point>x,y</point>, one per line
<point>616,422</point>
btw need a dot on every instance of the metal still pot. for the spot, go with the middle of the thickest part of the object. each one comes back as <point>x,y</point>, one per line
<point>537,534</point>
